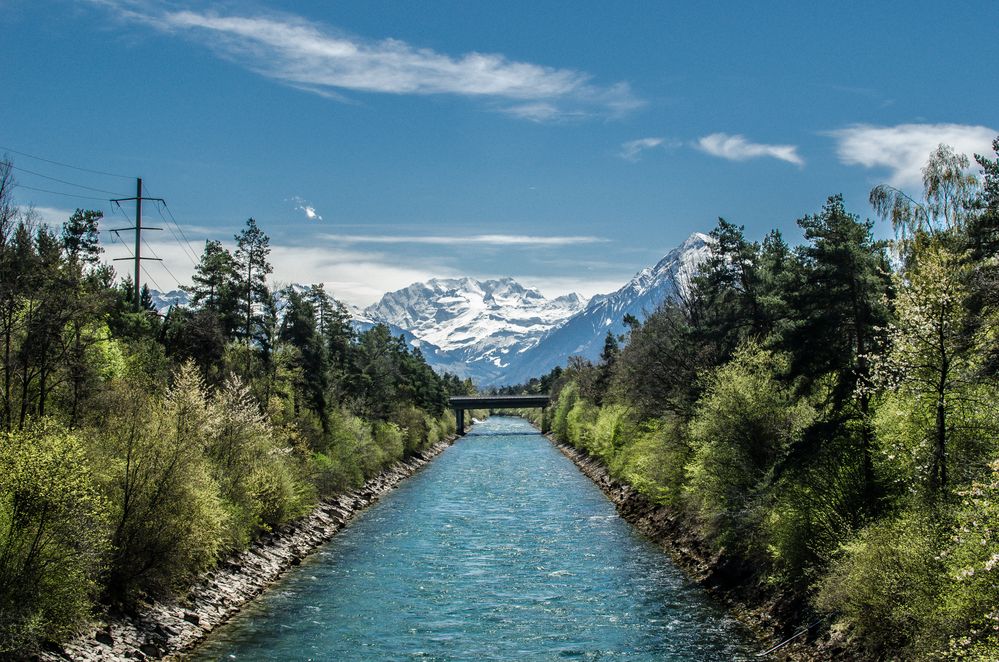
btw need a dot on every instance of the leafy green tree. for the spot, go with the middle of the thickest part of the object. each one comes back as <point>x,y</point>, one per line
<point>983,256</point>
<point>929,360</point>
<point>298,327</point>
<point>52,527</point>
<point>166,514</point>
<point>743,425</point>
<point>949,198</point>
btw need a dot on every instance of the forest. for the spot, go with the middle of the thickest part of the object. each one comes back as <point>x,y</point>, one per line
<point>824,417</point>
<point>137,450</point>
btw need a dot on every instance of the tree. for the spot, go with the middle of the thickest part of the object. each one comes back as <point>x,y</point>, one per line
<point>52,521</point>
<point>948,199</point>
<point>252,250</point>
<point>215,286</point>
<point>839,304</point>
<point>929,359</point>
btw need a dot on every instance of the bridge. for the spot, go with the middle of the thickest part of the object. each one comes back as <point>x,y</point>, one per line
<point>463,402</point>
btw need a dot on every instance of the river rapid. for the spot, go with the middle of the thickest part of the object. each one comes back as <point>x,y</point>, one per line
<point>498,550</point>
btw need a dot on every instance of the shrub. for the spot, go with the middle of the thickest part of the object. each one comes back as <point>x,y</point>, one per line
<point>886,587</point>
<point>971,591</point>
<point>53,525</point>
<point>743,423</point>
<point>168,521</point>
<point>260,481</point>
<point>567,398</point>
<point>654,460</point>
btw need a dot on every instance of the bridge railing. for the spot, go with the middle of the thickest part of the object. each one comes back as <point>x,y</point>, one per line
<point>464,402</point>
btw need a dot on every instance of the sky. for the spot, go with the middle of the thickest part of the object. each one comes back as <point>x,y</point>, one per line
<point>566,144</point>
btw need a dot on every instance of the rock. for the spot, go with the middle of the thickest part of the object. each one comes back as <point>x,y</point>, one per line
<point>152,650</point>
<point>192,618</point>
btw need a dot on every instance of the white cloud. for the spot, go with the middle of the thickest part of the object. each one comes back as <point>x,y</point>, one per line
<point>632,150</point>
<point>904,149</point>
<point>737,148</point>
<point>462,240</point>
<point>52,216</point>
<point>356,277</point>
<point>303,206</point>
<point>325,61</point>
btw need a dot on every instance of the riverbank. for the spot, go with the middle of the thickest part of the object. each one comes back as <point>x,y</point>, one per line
<point>173,627</point>
<point>724,580</point>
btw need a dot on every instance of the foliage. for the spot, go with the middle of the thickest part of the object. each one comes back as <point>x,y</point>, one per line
<point>52,528</point>
<point>825,416</point>
<point>887,586</point>
<point>745,422</point>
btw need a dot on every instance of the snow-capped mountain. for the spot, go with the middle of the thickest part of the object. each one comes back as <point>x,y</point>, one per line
<point>478,326</point>
<point>164,300</point>
<point>584,333</point>
<point>500,332</point>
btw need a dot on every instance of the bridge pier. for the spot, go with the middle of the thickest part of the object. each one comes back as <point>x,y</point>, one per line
<point>463,403</point>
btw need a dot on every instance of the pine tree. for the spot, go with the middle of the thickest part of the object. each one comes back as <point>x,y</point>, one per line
<point>252,267</point>
<point>838,308</point>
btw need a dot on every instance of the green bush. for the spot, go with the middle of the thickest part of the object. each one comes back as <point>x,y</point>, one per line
<point>168,519</point>
<point>741,426</point>
<point>971,591</point>
<point>53,525</point>
<point>611,430</point>
<point>389,439</point>
<point>885,589</point>
<point>567,398</point>
<point>654,460</point>
<point>580,423</point>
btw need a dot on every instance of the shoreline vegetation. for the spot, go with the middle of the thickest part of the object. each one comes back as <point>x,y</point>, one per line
<point>177,625</point>
<point>816,426</point>
<point>139,451</point>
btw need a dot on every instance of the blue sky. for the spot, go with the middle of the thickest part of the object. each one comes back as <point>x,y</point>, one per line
<point>565,144</point>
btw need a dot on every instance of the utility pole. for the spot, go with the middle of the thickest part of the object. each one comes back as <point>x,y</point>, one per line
<point>137,257</point>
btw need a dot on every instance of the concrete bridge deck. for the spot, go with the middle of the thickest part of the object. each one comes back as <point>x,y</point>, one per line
<point>463,402</point>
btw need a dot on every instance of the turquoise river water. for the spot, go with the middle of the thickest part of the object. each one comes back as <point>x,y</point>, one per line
<point>498,550</point>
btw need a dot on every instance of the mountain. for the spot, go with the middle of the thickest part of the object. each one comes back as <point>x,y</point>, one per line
<point>164,300</point>
<point>475,327</point>
<point>584,332</point>
<point>500,332</point>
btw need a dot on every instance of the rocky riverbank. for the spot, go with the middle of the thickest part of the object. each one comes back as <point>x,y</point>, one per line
<point>171,628</point>
<point>724,578</point>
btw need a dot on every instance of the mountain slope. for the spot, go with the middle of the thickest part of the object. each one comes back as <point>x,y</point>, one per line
<point>584,332</point>
<point>477,325</point>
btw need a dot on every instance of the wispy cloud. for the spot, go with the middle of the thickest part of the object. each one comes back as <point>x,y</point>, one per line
<point>737,148</point>
<point>326,61</point>
<point>478,239</point>
<point>303,206</point>
<point>632,150</point>
<point>354,276</point>
<point>904,149</point>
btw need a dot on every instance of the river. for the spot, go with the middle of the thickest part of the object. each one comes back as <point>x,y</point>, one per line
<point>498,550</point>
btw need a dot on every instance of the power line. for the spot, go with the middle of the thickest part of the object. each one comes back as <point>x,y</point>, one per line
<point>161,261</point>
<point>131,256</point>
<point>68,195</point>
<point>64,165</point>
<point>188,251</point>
<point>56,179</point>
<point>188,248</point>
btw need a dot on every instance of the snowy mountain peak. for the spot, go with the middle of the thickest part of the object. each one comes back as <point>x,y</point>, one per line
<point>476,321</point>
<point>584,333</point>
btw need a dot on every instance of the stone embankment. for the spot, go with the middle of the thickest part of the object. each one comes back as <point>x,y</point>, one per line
<point>726,579</point>
<point>170,628</point>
